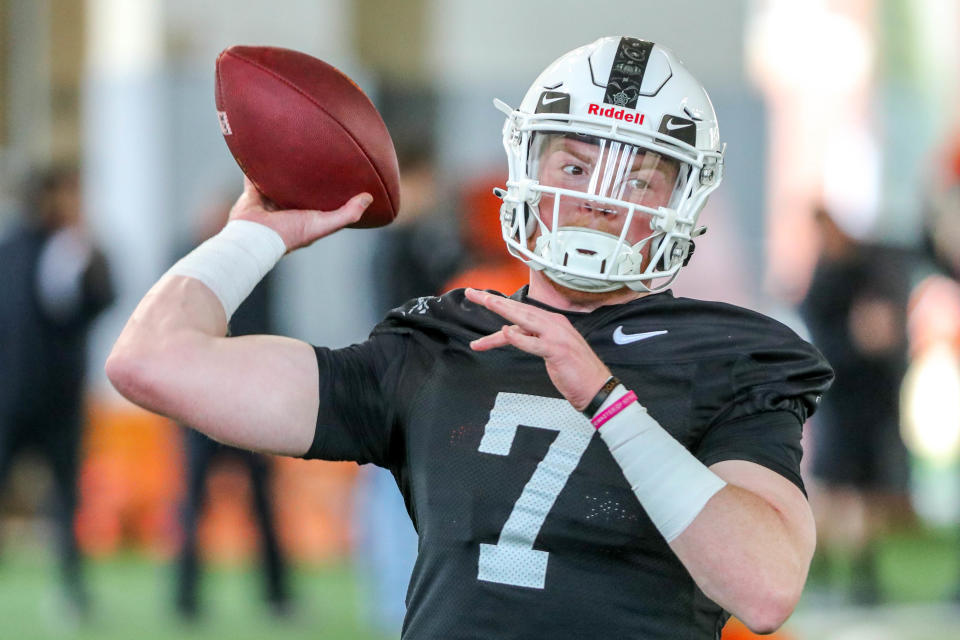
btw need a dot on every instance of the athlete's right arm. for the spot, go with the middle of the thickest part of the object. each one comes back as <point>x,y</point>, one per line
<point>254,392</point>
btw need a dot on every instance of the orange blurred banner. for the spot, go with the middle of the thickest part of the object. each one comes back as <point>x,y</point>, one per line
<point>132,480</point>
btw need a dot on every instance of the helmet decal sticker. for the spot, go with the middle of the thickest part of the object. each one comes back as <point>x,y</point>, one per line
<point>553,102</point>
<point>626,74</point>
<point>682,129</point>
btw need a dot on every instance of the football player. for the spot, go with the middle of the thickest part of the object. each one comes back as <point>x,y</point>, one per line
<point>589,457</point>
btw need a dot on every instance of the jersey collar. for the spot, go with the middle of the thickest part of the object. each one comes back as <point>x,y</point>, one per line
<point>586,321</point>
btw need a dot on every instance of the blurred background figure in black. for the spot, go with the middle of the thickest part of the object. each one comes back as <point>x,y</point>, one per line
<point>419,252</point>
<point>55,282</point>
<point>856,312</point>
<point>251,318</point>
<point>414,257</point>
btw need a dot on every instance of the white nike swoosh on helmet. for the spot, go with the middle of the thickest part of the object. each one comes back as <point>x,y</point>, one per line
<point>671,125</point>
<point>545,101</point>
<point>626,338</point>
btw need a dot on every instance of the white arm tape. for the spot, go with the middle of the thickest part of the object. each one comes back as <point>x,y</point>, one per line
<point>671,484</point>
<point>232,262</point>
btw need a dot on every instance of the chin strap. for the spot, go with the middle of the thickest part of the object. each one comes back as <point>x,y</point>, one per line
<point>589,251</point>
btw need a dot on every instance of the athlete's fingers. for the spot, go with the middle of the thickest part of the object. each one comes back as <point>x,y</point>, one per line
<point>492,341</point>
<point>323,223</point>
<point>250,190</point>
<point>526,316</point>
<point>511,335</point>
<point>524,341</point>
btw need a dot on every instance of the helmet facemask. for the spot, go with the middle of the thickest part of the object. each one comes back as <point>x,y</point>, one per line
<point>598,212</point>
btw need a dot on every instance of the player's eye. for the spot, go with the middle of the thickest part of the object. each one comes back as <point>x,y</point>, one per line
<point>573,170</point>
<point>637,184</point>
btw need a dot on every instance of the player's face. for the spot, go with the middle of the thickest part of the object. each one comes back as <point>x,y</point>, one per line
<point>606,169</point>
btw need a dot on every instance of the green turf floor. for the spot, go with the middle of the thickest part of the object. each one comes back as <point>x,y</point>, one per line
<point>132,600</point>
<point>920,566</point>
<point>919,575</point>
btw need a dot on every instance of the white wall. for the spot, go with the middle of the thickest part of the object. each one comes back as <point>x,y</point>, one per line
<point>505,40</point>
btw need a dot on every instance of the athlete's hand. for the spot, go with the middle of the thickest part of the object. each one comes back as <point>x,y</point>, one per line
<point>573,367</point>
<point>297,227</point>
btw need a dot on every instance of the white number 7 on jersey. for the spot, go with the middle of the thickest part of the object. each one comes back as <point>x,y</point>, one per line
<point>513,560</point>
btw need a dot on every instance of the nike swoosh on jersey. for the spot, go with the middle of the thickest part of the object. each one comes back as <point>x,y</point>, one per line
<point>626,338</point>
<point>671,125</point>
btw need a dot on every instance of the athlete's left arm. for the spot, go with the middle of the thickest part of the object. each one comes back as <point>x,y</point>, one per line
<point>749,546</point>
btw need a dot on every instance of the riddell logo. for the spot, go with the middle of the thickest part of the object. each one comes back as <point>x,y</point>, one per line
<point>617,114</point>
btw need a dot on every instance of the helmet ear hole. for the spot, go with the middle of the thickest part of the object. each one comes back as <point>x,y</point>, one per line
<point>508,218</point>
<point>508,212</point>
<point>655,247</point>
<point>530,219</point>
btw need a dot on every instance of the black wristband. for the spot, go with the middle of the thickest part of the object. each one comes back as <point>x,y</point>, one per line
<point>601,397</point>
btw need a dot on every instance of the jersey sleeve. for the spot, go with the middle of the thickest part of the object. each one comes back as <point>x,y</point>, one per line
<point>770,439</point>
<point>358,404</point>
<point>366,389</point>
<point>770,395</point>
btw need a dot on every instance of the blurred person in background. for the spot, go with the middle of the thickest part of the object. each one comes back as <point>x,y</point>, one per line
<point>418,253</point>
<point>855,309</point>
<point>486,265</point>
<point>55,282</point>
<point>253,317</point>
<point>935,303</point>
<point>487,409</point>
<point>414,258</point>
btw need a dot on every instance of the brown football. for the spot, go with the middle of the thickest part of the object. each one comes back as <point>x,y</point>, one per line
<point>304,133</point>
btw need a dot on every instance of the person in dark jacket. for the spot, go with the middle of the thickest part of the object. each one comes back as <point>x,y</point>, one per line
<point>202,454</point>
<point>55,283</point>
<point>856,311</point>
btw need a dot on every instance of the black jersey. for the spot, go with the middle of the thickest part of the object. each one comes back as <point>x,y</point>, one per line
<point>527,526</point>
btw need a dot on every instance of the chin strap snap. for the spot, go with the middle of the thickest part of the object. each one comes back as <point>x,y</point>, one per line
<point>699,231</point>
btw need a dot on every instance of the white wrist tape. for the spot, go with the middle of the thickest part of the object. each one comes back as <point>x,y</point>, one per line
<point>232,262</point>
<point>671,484</point>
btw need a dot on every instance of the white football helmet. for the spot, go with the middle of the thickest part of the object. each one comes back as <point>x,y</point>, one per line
<point>611,155</point>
